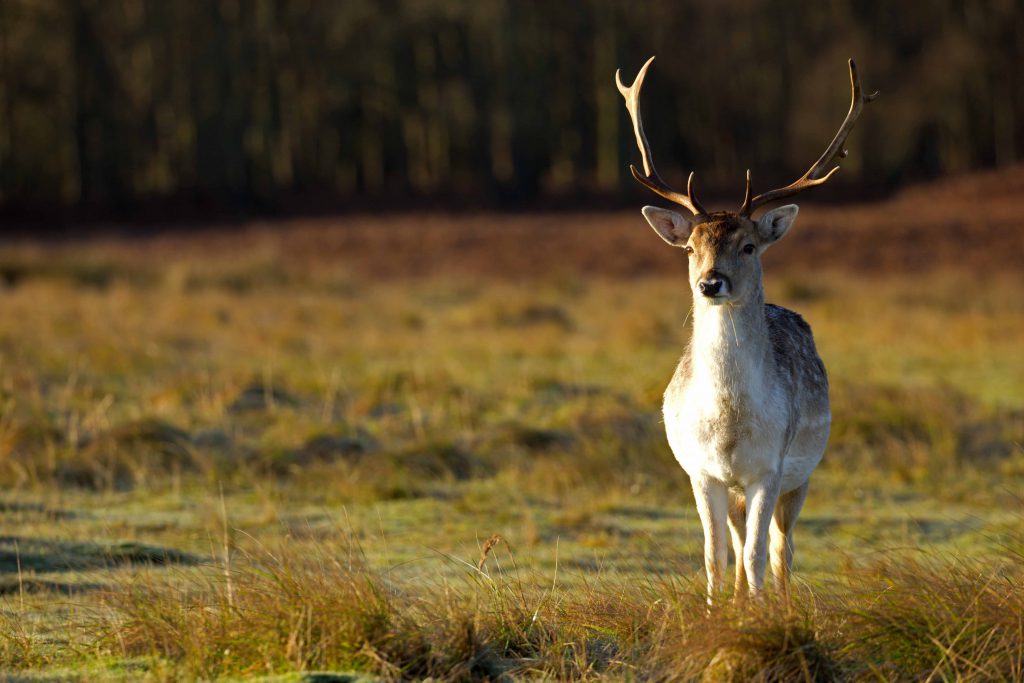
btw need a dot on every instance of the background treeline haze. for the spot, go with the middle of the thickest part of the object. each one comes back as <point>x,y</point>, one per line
<point>108,103</point>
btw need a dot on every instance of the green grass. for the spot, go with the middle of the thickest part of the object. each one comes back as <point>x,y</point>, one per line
<point>240,472</point>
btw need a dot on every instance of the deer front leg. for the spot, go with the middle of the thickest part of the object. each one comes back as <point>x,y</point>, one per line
<point>761,498</point>
<point>712,499</point>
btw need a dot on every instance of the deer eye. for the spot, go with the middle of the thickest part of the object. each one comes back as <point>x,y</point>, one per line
<point>749,249</point>
<point>688,249</point>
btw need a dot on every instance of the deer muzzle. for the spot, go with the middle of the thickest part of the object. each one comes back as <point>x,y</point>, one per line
<point>713,285</point>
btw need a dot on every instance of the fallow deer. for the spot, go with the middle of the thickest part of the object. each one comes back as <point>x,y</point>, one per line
<point>747,412</point>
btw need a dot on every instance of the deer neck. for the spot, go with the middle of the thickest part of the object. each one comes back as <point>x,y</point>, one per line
<point>729,348</point>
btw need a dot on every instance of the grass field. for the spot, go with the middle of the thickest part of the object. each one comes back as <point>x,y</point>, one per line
<point>272,450</point>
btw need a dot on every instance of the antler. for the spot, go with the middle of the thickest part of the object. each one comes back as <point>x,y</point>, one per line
<point>816,174</point>
<point>651,180</point>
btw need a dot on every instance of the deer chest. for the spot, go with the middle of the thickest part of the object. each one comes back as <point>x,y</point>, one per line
<point>734,434</point>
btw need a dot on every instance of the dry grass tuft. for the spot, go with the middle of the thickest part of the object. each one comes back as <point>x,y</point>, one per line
<point>957,620</point>
<point>486,549</point>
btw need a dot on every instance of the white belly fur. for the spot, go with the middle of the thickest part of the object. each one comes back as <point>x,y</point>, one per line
<point>749,451</point>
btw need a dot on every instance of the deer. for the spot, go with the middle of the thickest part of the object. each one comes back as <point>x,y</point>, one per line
<point>747,412</point>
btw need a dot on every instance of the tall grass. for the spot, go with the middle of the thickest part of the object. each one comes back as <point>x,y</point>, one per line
<point>899,620</point>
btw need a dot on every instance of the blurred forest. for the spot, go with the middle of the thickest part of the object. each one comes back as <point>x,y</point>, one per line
<point>270,104</point>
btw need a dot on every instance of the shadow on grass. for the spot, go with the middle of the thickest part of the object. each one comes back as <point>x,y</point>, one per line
<point>35,555</point>
<point>19,508</point>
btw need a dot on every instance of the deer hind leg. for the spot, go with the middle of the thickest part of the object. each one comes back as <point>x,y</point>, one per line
<point>781,533</point>
<point>738,531</point>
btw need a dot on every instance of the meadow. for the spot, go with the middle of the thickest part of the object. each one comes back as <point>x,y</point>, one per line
<point>430,446</point>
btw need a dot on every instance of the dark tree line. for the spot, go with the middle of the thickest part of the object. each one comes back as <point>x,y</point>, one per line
<point>114,102</point>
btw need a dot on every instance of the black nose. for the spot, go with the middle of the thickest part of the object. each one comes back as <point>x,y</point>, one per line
<point>710,287</point>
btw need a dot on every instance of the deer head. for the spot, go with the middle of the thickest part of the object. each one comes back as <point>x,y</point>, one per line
<point>725,247</point>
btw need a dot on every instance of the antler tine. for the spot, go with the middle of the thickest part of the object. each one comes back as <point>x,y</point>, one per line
<point>745,209</point>
<point>650,178</point>
<point>817,174</point>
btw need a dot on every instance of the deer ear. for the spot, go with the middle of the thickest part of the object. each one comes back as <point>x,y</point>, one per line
<point>673,227</point>
<point>776,223</point>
